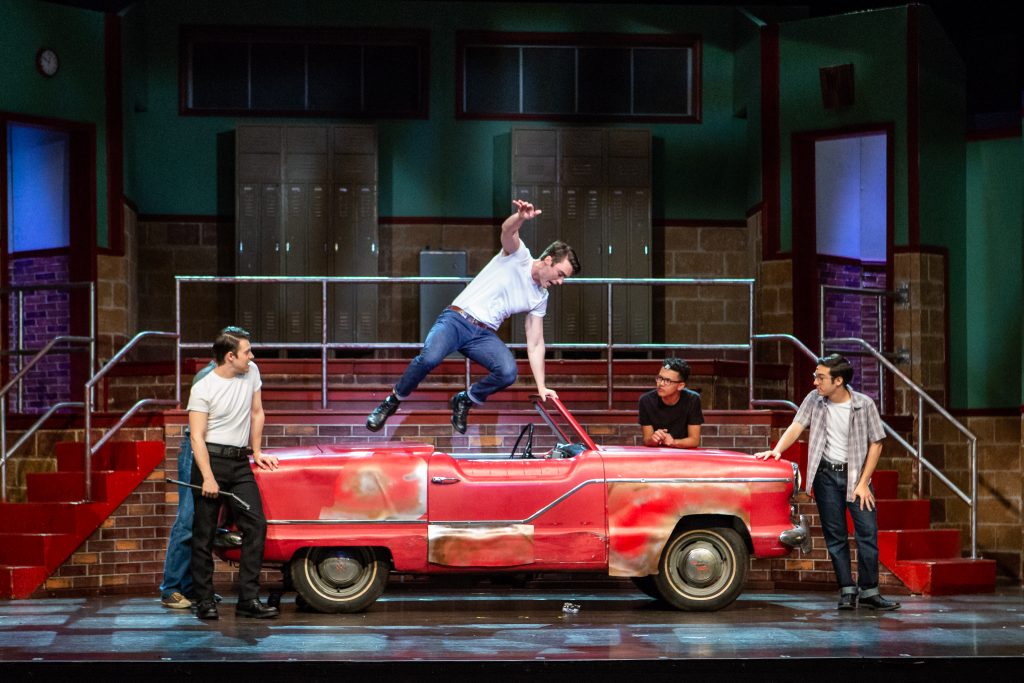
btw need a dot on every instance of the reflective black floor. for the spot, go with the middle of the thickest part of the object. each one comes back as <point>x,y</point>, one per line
<point>414,632</point>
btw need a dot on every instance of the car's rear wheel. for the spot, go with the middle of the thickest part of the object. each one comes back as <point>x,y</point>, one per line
<point>339,579</point>
<point>702,569</point>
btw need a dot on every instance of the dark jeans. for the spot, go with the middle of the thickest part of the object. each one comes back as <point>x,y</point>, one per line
<point>177,572</point>
<point>830,495</point>
<point>234,475</point>
<point>451,333</point>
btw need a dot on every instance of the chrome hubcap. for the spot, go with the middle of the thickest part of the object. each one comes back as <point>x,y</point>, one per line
<point>701,565</point>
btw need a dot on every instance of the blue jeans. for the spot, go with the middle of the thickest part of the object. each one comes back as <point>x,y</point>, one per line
<point>830,495</point>
<point>177,563</point>
<point>451,333</point>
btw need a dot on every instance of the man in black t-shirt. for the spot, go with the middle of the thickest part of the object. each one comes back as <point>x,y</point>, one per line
<point>670,416</point>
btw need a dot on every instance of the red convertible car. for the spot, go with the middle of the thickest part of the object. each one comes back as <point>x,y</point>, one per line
<point>682,524</point>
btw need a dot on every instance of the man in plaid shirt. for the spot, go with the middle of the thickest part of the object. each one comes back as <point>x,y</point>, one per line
<point>845,445</point>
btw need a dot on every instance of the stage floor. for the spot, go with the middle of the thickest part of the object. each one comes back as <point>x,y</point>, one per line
<point>505,632</point>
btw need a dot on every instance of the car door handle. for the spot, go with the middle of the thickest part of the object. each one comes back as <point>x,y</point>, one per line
<point>444,480</point>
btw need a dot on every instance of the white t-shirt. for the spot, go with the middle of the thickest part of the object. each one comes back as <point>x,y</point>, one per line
<point>503,288</point>
<point>837,432</point>
<point>228,405</point>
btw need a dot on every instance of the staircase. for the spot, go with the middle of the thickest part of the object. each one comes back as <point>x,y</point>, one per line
<point>928,561</point>
<point>37,536</point>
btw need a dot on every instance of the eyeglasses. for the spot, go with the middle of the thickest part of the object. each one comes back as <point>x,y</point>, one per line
<point>665,380</point>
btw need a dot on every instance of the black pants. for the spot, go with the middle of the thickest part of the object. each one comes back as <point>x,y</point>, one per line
<point>234,475</point>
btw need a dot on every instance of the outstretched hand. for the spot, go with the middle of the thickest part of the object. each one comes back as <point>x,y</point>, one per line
<point>526,210</point>
<point>544,392</point>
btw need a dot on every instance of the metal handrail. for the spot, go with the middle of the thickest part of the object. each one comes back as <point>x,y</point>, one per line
<point>90,449</point>
<point>4,453</point>
<point>923,397</point>
<point>53,286</point>
<point>609,345</point>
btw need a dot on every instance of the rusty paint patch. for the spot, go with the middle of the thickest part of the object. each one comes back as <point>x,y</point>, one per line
<point>379,487</point>
<point>480,546</point>
<point>641,517</point>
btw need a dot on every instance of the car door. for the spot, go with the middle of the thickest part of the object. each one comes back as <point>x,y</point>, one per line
<point>496,512</point>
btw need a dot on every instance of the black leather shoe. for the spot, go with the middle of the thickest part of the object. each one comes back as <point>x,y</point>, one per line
<point>877,602</point>
<point>847,601</point>
<point>207,609</point>
<point>382,412</point>
<point>256,609</point>
<point>460,404</point>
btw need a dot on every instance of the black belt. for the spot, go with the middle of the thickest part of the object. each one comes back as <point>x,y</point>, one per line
<point>235,452</point>
<point>470,319</point>
<point>834,466</point>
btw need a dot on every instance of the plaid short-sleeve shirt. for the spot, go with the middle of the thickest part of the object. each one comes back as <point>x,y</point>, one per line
<point>865,429</point>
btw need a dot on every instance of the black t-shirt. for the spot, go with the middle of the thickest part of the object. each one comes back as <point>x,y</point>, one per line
<point>676,419</point>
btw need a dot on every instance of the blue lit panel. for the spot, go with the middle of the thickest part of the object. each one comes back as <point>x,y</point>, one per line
<point>850,197</point>
<point>38,189</point>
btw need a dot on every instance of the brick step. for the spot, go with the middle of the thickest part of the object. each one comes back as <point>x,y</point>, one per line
<point>60,487</point>
<point>118,455</point>
<point>35,549</point>
<point>885,483</point>
<point>899,545</point>
<point>52,517</point>
<point>19,580</point>
<point>948,576</point>
<point>27,555</point>
<point>898,514</point>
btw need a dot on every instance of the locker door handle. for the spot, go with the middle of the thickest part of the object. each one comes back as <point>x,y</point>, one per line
<point>287,246</point>
<point>277,246</point>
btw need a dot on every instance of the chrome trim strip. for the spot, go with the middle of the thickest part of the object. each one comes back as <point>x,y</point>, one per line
<point>556,501</point>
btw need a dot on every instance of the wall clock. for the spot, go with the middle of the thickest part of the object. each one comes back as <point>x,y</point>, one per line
<point>47,61</point>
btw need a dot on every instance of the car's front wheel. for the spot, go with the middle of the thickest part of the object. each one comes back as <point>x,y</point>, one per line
<point>702,569</point>
<point>339,579</point>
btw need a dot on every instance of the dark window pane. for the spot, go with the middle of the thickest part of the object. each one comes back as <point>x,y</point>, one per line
<point>278,77</point>
<point>492,80</point>
<point>392,83</point>
<point>604,81</point>
<point>334,78</point>
<point>661,81</point>
<point>220,75</point>
<point>549,80</point>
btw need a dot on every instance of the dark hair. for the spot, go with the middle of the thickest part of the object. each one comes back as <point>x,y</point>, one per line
<point>228,341</point>
<point>838,367</point>
<point>560,251</point>
<point>678,365</point>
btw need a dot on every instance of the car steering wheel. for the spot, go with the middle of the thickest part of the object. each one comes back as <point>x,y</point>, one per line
<point>528,447</point>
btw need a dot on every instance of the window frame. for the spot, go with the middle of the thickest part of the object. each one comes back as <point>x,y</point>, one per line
<point>577,41</point>
<point>189,35</point>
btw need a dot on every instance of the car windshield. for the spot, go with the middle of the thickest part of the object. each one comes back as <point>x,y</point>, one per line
<point>562,423</point>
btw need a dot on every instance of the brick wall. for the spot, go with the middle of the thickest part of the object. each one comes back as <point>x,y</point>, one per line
<point>702,314</point>
<point>169,248</point>
<point>117,304</point>
<point>47,314</point>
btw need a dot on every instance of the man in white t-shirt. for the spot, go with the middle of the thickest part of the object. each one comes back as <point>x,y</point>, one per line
<point>513,282</point>
<point>225,419</point>
<point>845,445</point>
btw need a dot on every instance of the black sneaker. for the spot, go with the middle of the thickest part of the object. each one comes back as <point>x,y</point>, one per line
<point>382,412</point>
<point>460,404</point>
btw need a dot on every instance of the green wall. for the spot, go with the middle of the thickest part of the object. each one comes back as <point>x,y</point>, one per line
<point>874,43</point>
<point>994,376</point>
<point>439,166</point>
<point>76,93</point>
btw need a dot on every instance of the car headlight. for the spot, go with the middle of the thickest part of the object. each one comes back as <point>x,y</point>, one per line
<point>797,479</point>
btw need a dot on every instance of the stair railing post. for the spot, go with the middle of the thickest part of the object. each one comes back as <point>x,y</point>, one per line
<point>3,448</point>
<point>87,399</point>
<point>609,347</point>
<point>974,498</point>
<point>21,347</point>
<point>323,344</point>
<point>750,341</point>
<point>920,447</point>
